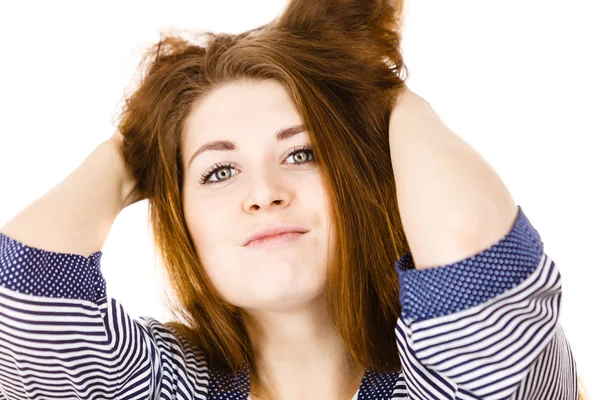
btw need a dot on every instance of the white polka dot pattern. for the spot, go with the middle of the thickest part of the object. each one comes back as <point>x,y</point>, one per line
<point>50,274</point>
<point>447,289</point>
<point>485,327</point>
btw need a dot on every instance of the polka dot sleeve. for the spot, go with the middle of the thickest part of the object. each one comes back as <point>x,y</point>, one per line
<point>433,292</point>
<point>38,272</point>
<point>486,326</point>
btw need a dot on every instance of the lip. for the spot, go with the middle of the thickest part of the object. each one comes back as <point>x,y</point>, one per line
<point>274,231</point>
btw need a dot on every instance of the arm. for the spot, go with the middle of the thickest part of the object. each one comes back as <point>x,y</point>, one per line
<point>452,203</point>
<point>61,336</point>
<point>77,214</point>
<point>480,298</point>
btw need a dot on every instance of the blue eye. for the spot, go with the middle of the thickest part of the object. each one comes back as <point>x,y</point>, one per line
<point>223,171</point>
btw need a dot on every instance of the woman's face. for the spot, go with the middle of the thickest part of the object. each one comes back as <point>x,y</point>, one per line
<point>248,179</point>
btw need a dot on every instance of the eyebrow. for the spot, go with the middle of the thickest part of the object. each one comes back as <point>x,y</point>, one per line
<point>226,145</point>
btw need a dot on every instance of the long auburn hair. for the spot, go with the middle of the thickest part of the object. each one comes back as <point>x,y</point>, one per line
<point>340,61</point>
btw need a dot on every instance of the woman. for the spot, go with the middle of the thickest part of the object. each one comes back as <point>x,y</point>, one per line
<point>286,169</point>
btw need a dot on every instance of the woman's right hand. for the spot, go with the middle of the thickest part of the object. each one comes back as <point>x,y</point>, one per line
<point>129,193</point>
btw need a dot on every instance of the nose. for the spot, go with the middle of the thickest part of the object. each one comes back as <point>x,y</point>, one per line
<point>267,190</point>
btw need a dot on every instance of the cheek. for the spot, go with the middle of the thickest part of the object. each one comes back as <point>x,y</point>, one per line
<point>215,255</point>
<point>212,228</point>
<point>206,218</point>
<point>319,198</point>
<point>209,234</point>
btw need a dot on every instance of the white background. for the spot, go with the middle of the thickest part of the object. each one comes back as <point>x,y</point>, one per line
<point>517,79</point>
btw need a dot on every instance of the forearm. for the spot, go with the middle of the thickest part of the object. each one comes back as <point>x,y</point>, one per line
<point>77,214</point>
<point>452,203</point>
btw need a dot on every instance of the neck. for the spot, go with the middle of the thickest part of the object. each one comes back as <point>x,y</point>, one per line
<point>299,355</point>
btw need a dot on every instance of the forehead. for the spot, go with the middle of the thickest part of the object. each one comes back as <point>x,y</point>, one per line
<point>241,108</point>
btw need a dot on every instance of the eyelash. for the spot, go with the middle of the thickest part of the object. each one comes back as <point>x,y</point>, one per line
<point>204,180</point>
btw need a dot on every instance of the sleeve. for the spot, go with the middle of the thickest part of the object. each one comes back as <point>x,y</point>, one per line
<point>486,327</point>
<point>61,337</point>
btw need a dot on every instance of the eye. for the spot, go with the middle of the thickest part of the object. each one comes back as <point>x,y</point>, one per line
<point>301,155</point>
<point>220,171</point>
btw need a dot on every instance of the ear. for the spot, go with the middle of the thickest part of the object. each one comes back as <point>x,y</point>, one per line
<point>351,16</point>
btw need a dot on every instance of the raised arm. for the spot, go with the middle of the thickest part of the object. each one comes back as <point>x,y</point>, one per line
<point>480,298</point>
<point>76,215</point>
<point>61,336</point>
<point>452,203</point>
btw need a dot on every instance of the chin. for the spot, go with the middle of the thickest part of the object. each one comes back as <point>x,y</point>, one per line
<point>280,299</point>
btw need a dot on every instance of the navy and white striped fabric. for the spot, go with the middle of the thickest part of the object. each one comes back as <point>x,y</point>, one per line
<point>482,328</point>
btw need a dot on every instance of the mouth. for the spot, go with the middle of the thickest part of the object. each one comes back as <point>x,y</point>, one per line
<point>275,239</point>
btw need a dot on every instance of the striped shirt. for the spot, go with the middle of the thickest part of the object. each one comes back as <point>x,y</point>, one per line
<point>485,327</point>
